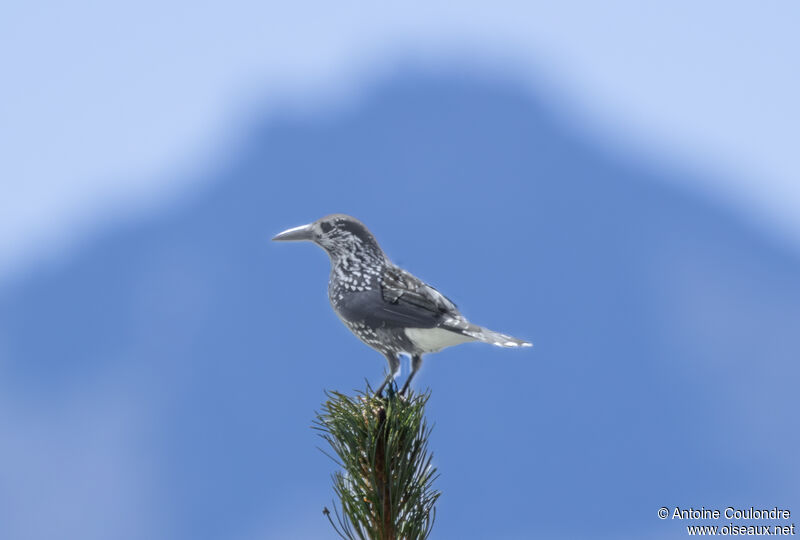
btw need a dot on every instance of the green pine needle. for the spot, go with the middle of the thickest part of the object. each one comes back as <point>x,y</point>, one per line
<point>385,487</point>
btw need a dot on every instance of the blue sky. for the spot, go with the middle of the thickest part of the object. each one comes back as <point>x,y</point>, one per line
<point>616,186</point>
<point>107,104</point>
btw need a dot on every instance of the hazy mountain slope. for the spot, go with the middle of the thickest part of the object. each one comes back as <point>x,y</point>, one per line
<point>664,370</point>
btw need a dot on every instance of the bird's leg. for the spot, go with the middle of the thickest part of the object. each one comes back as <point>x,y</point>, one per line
<point>416,363</point>
<point>394,367</point>
<point>379,391</point>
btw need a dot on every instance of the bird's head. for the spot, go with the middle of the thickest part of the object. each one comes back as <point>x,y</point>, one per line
<point>338,234</point>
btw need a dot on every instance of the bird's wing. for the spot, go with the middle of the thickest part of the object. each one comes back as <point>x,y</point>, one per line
<point>401,301</point>
<point>403,289</point>
<point>371,308</point>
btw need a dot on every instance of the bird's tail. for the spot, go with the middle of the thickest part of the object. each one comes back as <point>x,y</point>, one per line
<point>495,338</point>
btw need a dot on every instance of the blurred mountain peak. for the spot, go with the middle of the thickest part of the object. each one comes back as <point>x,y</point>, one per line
<point>666,328</point>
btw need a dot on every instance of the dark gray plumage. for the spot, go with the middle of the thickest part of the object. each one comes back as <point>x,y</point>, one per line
<point>386,307</point>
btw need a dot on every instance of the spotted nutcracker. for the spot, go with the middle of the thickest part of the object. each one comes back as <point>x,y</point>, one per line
<point>386,307</point>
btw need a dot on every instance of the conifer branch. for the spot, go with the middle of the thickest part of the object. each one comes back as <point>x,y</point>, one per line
<point>385,487</point>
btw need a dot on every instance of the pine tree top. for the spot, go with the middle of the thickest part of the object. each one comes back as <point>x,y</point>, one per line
<point>385,485</point>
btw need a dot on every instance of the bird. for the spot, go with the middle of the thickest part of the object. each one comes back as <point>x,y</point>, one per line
<point>386,307</point>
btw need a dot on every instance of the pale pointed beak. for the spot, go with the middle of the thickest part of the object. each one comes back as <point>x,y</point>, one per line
<point>295,234</point>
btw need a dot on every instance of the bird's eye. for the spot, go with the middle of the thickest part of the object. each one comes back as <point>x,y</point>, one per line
<point>326,227</point>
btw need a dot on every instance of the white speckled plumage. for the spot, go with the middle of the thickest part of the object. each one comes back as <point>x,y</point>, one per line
<point>386,307</point>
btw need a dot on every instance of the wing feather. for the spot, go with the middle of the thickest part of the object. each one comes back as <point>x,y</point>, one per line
<point>400,287</point>
<point>403,301</point>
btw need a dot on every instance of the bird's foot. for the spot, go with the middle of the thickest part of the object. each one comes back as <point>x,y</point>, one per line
<point>391,391</point>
